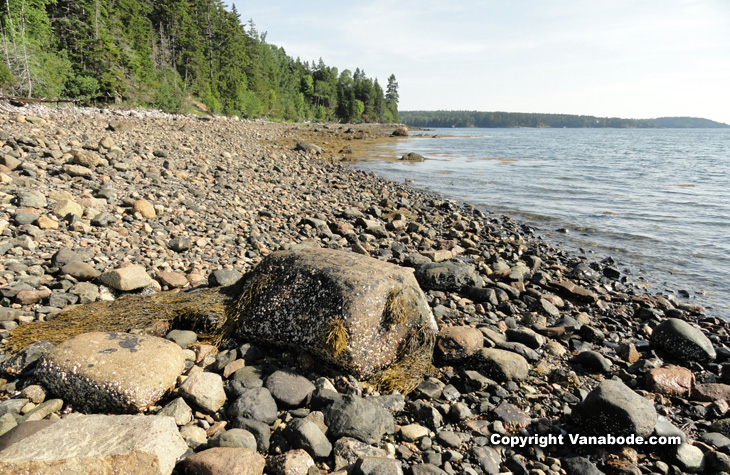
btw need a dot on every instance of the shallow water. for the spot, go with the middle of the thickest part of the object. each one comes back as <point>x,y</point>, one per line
<point>657,201</point>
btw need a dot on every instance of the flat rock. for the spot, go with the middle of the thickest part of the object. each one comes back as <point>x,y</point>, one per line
<point>126,278</point>
<point>80,270</point>
<point>347,309</point>
<point>225,460</point>
<point>683,341</point>
<point>613,408</point>
<point>670,380</point>
<point>204,390</point>
<point>96,444</point>
<point>115,372</point>
<point>501,365</point>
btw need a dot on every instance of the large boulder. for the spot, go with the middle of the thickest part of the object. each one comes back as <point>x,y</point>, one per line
<point>683,341</point>
<point>147,445</point>
<point>347,309</point>
<point>111,372</point>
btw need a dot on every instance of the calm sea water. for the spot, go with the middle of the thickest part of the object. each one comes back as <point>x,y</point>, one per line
<point>657,201</point>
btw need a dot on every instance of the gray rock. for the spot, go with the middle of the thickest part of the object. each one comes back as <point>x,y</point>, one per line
<point>347,451</point>
<point>184,338</point>
<point>689,458</point>
<point>256,404</point>
<point>260,431</point>
<point>180,244</point>
<point>204,390</point>
<point>80,270</point>
<point>592,360</point>
<point>613,408</point>
<point>412,157</point>
<point>501,365</point>
<point>237,438</point>
<point>488,459</point>
<point>97,444</point>
<point>305,434</point>
<point>26,358</point>
<point>224,277</point>
<point>126,278</point>
<point>85,291</point>
<point>289,388</point>
<point>379,466</point>
<point>31,199</point>
<point>580,466</point>
<point>427,415</point>
<point>178,410</point>
<point>448,276</point>
<point>683,341</point>
<point>664,428</point>
<point>64,256</point>
<point>527,337</point>
<point>360,418</point>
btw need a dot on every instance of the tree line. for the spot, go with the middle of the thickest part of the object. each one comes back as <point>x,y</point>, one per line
<point>163,53</point>
<point>446,119</point>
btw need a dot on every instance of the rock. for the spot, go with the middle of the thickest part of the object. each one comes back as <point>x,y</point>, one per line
<point>670,380</point>
<point>572,290</point>
<point>458,343</point>
<point>184,338</point>
<point>80,270</point>
<point>178,410</point>
<point>260,431</point>
<point>613,408</point>
<point>400,131</point>
<point>580,466</point>
<point>350,310</point>
<point>86,158</point>
<point>77,170</point>
<point>65,207</point>
<point>683,341</point>
<point>592,360</point>
<point>224,277</point>
<point>412,157</point>
<point>115,372</point>
<point>194,435</point>
<point>180,244</point>
<point>126,278</point>
<point>289,388</point>
<point>237,438</point>
<point>42,411</point>
<point>378,466</point>
<point>488,459</point>
<point>225,460</point>
<point>352,416</point>
<point>413,432</point>
<point>145,209</point>
<point>526,336</point>
<point>348,451</point>
<point>26,358</point>
<point>447,276</point>
<point>501,365</point>
<point>172,280</point>
<point>31,199</point>
<point>305,434</point>
<point>256,404</point>
<point>309,148</point>
<point>710,392</point>
<point>204,390</point>
<point>689,458</point>
<point>96,444</point>
<point>294,462</point>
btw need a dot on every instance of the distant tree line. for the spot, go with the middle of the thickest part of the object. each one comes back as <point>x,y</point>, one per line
<point>518,119</point>
<point>161,53</point>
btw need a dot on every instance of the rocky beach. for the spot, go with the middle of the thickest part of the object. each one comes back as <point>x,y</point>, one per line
<point>543,362</point>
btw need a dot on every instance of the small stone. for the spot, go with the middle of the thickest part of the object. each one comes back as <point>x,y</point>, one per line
<point>379,466</point>
<point>65,207</point>
<point>413,432</point>
<point>305,434</point>
<point>237,438</point>
<point>173,280</point>
<point>294,462</point>
<point>593,361</point>
<point>683,341</point>
<point>710,392</point>
<point>46,223</point>
<point>670,380</point>
<point>352,416</point>
<point>689,458</point>
<point>289,388</point>
<point>459,342</point>
<point>501,365</point>
<point>144,208</point>
<point>180,244</point>
<point>224,277</point>
<point>31,199</point>
<point>178,410</point>
<point>256,404</point>
<point>184,338</point>
<point>80,270</point>
<point>347,451</point>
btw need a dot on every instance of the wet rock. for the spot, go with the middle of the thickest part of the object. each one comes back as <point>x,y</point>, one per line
<point>683,341</point>
<point>96,444</point>
<point>359,418</point>
<point>184,338</point>
<point>225,460</point>
<point>670,380</point>
<point>412,157</point>
<point>613,408</point>
<point>117,372</point>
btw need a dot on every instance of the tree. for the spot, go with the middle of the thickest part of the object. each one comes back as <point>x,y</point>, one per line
<point>391,97</point>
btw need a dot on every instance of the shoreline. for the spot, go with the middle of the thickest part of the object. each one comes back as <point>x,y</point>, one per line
<point>194,201</point>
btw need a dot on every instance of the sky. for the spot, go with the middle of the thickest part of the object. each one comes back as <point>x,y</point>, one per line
<point>617,58</point>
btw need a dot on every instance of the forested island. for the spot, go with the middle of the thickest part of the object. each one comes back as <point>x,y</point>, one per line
<point>461,119</point>
<point>172,55</point>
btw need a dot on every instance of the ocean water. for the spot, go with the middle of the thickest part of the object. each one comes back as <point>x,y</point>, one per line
<point>657,201</point>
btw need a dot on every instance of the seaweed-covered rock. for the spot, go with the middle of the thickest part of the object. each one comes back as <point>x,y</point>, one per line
<point>448,276</point>
<point>683,341</point>
<point>357,312</point>
<point>114,372</point>
<point>613,408</point>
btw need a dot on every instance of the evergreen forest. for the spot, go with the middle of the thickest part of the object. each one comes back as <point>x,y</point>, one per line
<point>518,119</point>
<point>170,54</point>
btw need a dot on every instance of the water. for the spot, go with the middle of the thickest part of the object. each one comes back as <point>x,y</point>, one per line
<point>657,201</point>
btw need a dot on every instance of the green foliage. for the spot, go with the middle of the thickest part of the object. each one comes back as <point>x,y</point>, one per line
<point>6,77</point>
<point>81,85</point>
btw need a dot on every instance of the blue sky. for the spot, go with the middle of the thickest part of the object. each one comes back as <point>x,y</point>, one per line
<point>622,58</point>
